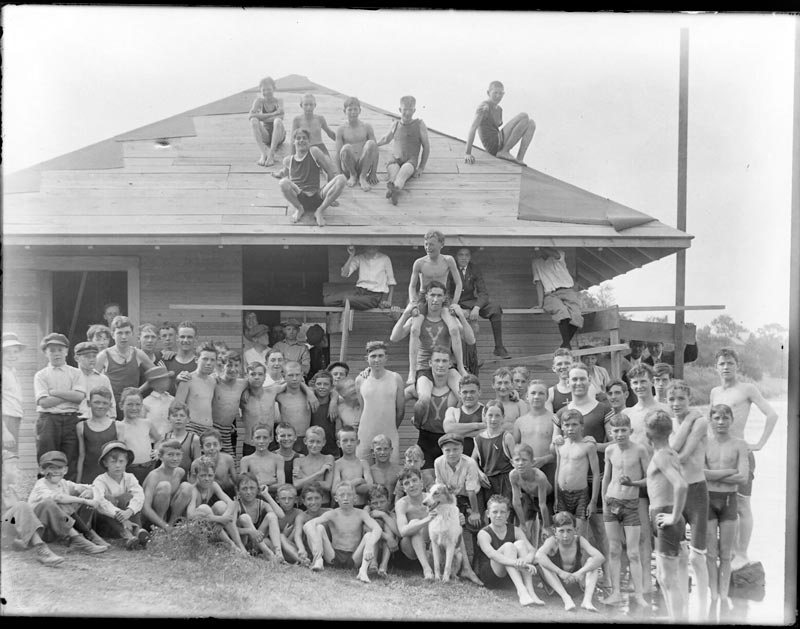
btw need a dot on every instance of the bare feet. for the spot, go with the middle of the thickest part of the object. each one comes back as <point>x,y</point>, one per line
<point>471,576</point>
<point>612,599</point>
<point>389,189</point>
<point>536,600</point>
<point>588,607</point>
<point>262,161</point>
<point>319,219</point>
<point>352,181</point>
<point>333,204</point>
<point>365,184</point>
<point>362,576</point>
<point>569,606</point>
<point>269,161</point>
<point>316,565</point>
<point>506,156</point>
<point>427,574</point>
<point>297,215</point>
<point>382,573</point>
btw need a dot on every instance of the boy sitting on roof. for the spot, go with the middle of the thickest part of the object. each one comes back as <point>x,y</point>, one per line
<point>300,179</point>
<point>266,119</point>
<point>496,140</point>
<point>356,148</point>
<point>410,135</point>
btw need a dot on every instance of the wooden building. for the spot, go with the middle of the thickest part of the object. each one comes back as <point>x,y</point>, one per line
<point>176,221</point>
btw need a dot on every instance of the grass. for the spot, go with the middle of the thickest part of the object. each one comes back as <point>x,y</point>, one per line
<point>223,585</point>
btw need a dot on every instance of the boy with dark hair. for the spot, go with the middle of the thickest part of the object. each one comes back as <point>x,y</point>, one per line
<point>197,391</point>
<point>356,148</point>
<point>410,136</point>
<point>58,390</point>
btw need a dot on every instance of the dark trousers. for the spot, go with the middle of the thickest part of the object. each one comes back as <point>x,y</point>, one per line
<point>429,443</point>
<point>57,432</point>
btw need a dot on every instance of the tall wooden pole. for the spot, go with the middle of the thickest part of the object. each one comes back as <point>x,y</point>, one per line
<point>680,264</point>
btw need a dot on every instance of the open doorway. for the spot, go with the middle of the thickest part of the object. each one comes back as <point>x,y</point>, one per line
<point>274,276</point>
<point>79,297</point>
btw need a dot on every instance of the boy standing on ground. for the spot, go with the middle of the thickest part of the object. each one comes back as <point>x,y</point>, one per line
<point>503,390</point>
<point>666,489</point>
<point>726,466</point>
<point>350,468</point>
<point>197,392</point>
<point>266,466</point>
<point>381,396</point>
<point>690,440</point>
<point>266,120</point>
<point>625,471</point>
<point>576,459</point>
<point>86,357</point>
<point>496,140</point>
<point>535,429</point>
<point>466,419</point>
<point>740,397</point>
<point>384,472</point>
<point>300,179</point>
<point>226,401</point>
<point>410,135</point>
<point>356,148</point>
<point>293,403</point>
<point>58,391</point>
<point>186,358</point>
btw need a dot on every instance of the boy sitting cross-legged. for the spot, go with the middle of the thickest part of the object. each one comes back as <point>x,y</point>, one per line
<point>348,546</point>
<point>209,502</point>
<point>380,510</point>
<point>257,521</point>
<point>287,523</point>
<point>166,492</point>
<point>567,559</point>
<point>119,497</point>
<point>312,496</point>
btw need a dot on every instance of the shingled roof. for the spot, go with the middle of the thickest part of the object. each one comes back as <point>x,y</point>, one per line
<point>193,179</point>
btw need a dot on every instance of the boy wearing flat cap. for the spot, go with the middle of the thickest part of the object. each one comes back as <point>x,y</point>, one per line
<point>66,509</point>
<point>86,357</point>
<point>59,391</point>
<point>460,473</point>
<point>291,348</point>
<point>119,497</point>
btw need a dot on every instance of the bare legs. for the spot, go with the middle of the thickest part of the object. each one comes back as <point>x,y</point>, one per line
<point>521,576</point>
<point>519,129</point>
<point>268,143</point>
<point>360,166</point>
<point>329,193</point>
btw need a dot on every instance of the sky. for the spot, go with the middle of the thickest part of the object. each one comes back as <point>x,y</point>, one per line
<point>602,88</point>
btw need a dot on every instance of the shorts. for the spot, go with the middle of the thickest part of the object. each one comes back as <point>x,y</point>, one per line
<point>696,513</point>
<point>722,506</point>
<point>746,489</point>
<point>342,559</point>
<point>668,538</point>
<point>626,512</point>
<point>574,501</point>
<point>310,203</point>
<point>429,442</point>
<point>490,580</point>
<point>530,507</point>
<point>428,373</point>
<point>463,504</point>
<point>564,303</point>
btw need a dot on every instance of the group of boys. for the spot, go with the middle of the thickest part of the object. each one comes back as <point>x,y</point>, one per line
<point>355,160</point>
<point>580,472</point>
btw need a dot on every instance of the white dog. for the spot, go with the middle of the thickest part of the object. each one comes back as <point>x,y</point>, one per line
<point>444,529</point>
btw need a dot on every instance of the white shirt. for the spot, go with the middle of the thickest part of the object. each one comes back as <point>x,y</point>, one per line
<point>374,274</point>
<point>61,378</point>
<point>12,392</point>
<point>104,486</point>
<point>552,272</point>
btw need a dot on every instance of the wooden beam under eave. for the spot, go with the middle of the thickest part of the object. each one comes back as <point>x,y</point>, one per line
<point>646,255</point>
<point>628,260</point>
<point>602,262</point>
<point>594,278</point>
